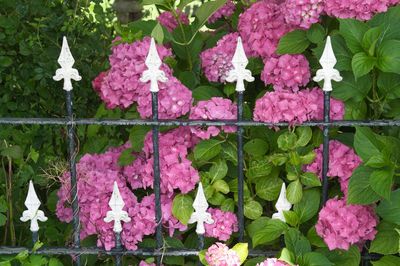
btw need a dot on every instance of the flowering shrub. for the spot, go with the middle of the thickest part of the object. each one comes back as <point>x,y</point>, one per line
<point>284,41</point>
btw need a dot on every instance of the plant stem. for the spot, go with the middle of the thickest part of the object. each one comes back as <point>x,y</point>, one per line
<point>189,58</point>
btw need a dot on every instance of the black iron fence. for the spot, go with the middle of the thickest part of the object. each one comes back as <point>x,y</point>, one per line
<point>118,252</point>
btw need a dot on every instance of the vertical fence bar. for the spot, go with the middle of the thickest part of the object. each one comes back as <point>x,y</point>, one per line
<point>74,185</point>
<point>118,246</point>
<point>325,150</point>
<point>68,73</point>
<point>240,166</point>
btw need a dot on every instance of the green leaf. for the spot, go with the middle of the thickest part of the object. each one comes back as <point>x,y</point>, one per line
<point>390,210</point>
<point>351,257</point>
<point>5,61</point>
<point>207,149</point>
<point>308,206</point>
<point>257,169</point>
<point>387,261</point>
<point>314,259</point>
<point>203,93</point>
<point>14,152</point>
<point>366,143</point>
<point>272,230</point>
<point>287,141</point>
<point>268,188</point>
<point>386,241</point>
<point>314,238</point>
<point>3,219</point>
<point>316,34</point>
<point>294,192</point>
<point>389,22</point>
<point>228,205</point>
<point>291,218</point>
<point>257,225</point>
<point>360,191</point>
<point>229,152</point>
<point>310,179</point>
<point>296,242</point>
<point>202,257</point>
<point>362,64</point>
<point>184,3</point>
<point>256,147</point>
<point>136,137</point>
<point>154,2</point>
<point>242,250</point>
<point>294,42</point>
<point>370,40</point>
<point>158,33</point>
<point>182,208</point>
<point>218,170</point>
<point>381,181</point>
<point>377,161</point>
<point>353,31</point>
<point>252,209</point>
<point>126,157</point>
<point>389,85</point>
<point>55,262</point>
<point>352,88</point>
<point>304,135</point>
<point>221,186</point>
<point>389,56</point>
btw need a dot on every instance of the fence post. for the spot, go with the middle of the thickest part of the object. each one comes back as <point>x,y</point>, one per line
<point>239,73</point>
<point>117,215</point>
<point>33,213</point>
<point>68,73</point>
<point>154,74</point>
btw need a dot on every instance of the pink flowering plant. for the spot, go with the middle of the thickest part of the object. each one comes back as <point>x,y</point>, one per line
<point>284,41</point>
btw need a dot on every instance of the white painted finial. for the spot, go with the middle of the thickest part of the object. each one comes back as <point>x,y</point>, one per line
<point>200,214</point>
<point>328,72</point>
<point>33,213</point>
<point>282,204</point>
<point>116,214</point>
<point>66,71</point>
<point>153,72</point>
<point>239,73</point>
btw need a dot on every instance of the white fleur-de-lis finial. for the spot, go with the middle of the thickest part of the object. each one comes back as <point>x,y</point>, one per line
<point>117,214</point>
<point>153,72</point>
<point>282,204</point>
<point>66,71</point>
<point>328,72</point>
<point>239,73</point>
<point>33,213</point>
<point>200,214</point>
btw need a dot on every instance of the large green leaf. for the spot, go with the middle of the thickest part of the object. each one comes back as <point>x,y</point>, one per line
<point>294,192</point>
<point>314,259</point>
<point>203,93</point>
<point>387,261</point>
<point>182,207</point>
<point>381,181</point>
<point>268,188</point>
<point>387,239</point>
<point>360,191</point>
<point>389,56</point>
<point>308,206</point>
<point>353,31</point>
<point>252,209</point>
<point>389,85</point>
<point>207,149</point>
<point>218,170</point>
<point>362,64</point>
<point>351,257</point>
<point>272,230</point>
<point>366,143</point>
<point>296,242</point>
<point>389,210</point>
<point>256,147</point>
<point>294,42</point>
<point>389,21</point>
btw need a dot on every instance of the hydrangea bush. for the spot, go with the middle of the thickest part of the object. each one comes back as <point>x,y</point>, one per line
<point>283,40</point>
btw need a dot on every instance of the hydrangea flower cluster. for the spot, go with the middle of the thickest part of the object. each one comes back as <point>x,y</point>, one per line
<point>144,263</point>
<point>216,62</point>
<point>169,21</point>
<point>286,72</point>
<point>273,262</point>
<point>217,108</point>
<point>176,171</point>
<point>342,225</point>
<point>225,224</point>
<point>96,175</point>
<point>358,9</point>
<point>302,13</point>
<point>261,26</point>
<point>225,11</point>
<point>121,86</point>
<point>342,162</point>
<point>282,106</point>
<point>220,255</point>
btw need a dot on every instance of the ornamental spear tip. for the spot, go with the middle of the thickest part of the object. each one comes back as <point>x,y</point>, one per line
<point>282,204</point>
<point>200,214</point>
<point>116,214</point>
<point>33,213</point>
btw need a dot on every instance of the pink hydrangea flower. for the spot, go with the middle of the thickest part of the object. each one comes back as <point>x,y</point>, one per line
<point>286,72</point>
<point>225,224</point>
<point>225,11</point>
<point>357,9</point>
<point>121,87</point>
<point>143,263</point>
<point>342,162</point>
<point>168,20</point>
<point>273,262</point>
<point>96,83</point>
<point>302,13</point>
<point>304,105</point>
<point>342,225</point>
<point>261,26</point>
<point>176,171</point>
<point>217,108</point>
<point>220,255</point>
<point>216,62</point>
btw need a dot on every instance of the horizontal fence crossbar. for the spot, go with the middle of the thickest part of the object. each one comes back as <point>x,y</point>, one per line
<point>161,122</point>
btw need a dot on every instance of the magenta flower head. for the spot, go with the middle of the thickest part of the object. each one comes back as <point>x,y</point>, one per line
<point>357,9</point>
<point>342,225</point>
<point>225,11</point>
<point>273,262</point>
<point>302,13</point>
<point>225,224</point>
<point>169,21</point>
<point>220,255</point>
